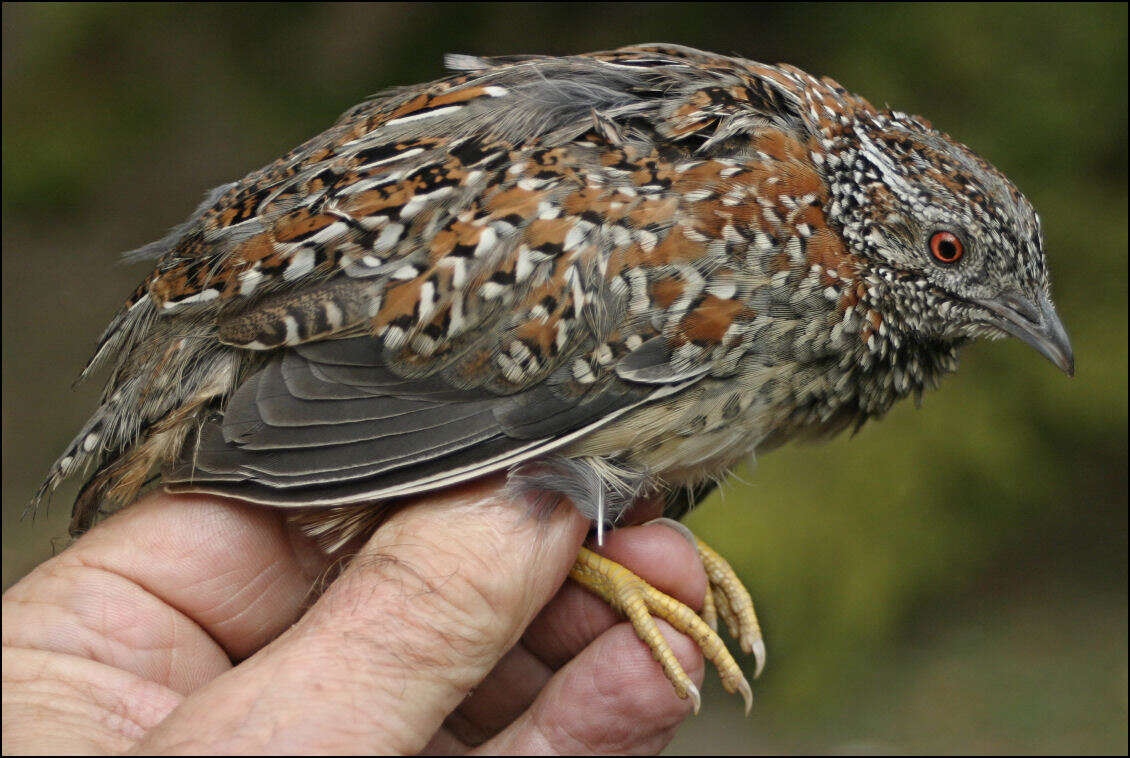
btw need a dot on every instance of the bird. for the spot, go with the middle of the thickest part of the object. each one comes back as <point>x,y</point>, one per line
<point>611,275</point>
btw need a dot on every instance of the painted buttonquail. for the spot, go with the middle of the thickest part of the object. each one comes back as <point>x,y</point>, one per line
<point>609,274</point>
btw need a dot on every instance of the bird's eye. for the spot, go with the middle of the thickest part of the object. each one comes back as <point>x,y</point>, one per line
<point>946,247</point>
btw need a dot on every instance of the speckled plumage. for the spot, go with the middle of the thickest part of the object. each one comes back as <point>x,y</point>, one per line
<point>647,264</point>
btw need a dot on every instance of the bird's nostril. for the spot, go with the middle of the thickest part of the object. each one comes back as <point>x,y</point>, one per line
<point>1023,307</point>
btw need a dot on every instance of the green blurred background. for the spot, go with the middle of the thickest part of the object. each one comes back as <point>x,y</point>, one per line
<point>951,579</point>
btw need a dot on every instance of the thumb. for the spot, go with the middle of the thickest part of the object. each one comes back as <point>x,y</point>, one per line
<point>421,615</point>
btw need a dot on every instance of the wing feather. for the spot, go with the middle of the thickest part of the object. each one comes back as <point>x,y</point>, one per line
<point>520,273</point>
<point>275,447</point>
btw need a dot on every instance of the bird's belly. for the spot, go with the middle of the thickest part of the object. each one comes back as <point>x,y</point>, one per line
<point>693,460</point>
<point>685,440</point>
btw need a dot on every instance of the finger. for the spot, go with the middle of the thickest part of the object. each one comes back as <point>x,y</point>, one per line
<point>444,742</point>
<point>575,617</point>
<point>569,623</point>
<point>169,580</point>
<point>612,698</point>
<point>420,616</point>
<point>508,690</point>
<point>63,705</point>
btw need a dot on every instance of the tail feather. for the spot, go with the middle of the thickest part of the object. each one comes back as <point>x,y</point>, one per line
<point>84,451</point>
<point>144,422</point>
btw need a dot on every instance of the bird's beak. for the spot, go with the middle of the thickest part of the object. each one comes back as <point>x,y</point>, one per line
<point>1035,323</point>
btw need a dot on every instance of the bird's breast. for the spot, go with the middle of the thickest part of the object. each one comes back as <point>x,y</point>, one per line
<point>691,437</point>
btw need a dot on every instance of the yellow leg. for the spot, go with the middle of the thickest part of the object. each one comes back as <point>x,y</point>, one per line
<point>726,597</point>
<point>639,601</point>
<point>709,609</point>
<point>733,603</point>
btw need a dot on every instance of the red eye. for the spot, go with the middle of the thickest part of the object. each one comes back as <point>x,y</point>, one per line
<point>946,247</point>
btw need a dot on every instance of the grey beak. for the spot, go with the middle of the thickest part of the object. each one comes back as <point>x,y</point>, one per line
<point>1035,323</point>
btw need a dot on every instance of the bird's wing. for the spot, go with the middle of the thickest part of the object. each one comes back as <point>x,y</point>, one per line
<point>330,423</point>
<point>457,277</point>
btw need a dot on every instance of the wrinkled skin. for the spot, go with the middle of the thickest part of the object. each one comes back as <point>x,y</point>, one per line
<point>450,629</point>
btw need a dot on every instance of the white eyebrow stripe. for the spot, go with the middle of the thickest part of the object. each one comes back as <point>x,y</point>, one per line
<point>892,177</point>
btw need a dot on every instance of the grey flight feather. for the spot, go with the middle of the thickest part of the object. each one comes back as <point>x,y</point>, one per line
<point>293,442</point>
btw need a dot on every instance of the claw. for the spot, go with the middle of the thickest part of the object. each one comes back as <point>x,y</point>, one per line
<point>758,649</point>
<point>696,698</point>
<point>747,695</point>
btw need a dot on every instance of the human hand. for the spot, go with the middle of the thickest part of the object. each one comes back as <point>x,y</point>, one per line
<point>185,624</point>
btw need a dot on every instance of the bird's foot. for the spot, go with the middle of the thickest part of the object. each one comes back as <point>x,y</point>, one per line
<point>727,597</point>
<point>641,603</point>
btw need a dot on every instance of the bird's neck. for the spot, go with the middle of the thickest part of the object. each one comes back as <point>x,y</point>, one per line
<point>869,357</point>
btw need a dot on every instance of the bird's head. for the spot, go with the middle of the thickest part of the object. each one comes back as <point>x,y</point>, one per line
<point>954,247</point>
